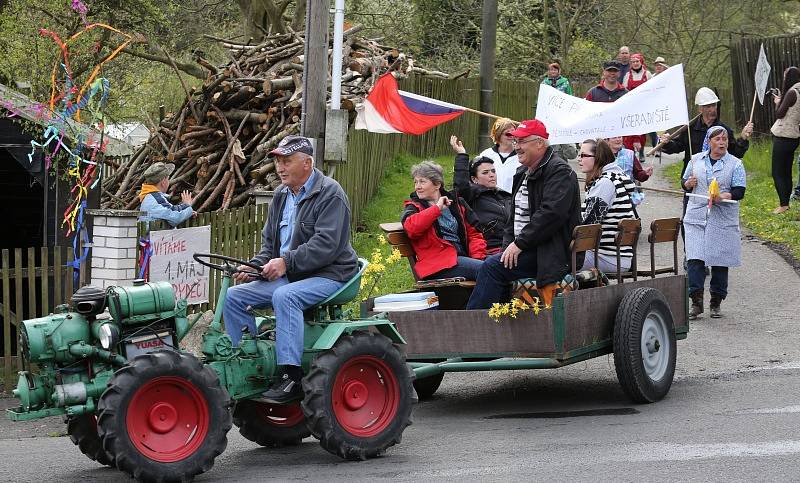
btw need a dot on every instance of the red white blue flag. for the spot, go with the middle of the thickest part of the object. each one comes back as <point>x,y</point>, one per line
<point>389,110</point>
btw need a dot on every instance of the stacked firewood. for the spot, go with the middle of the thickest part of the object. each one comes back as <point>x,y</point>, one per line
<point>220,138</point>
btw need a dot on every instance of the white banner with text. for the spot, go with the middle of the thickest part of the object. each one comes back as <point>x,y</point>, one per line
<point>656,105</point>
<point>172,261</point>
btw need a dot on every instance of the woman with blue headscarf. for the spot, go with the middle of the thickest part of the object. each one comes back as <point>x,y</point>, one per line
<point>711,223</point>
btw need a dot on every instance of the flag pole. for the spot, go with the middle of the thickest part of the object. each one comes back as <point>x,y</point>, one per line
<point>481,113</point>
<point>753,109</point>
<point>660,145</point>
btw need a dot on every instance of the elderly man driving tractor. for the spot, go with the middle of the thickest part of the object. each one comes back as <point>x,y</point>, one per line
<point>305,257</point>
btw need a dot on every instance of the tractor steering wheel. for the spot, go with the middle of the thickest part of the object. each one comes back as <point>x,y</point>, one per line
<point>230,266</point>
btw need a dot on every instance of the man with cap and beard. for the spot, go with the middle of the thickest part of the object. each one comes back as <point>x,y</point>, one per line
<point>547,208</point>
<point>155,203</point>
<point>305,257</point>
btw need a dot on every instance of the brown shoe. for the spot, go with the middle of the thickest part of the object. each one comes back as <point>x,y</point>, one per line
<point>713,307</point>
<point>697,305</point>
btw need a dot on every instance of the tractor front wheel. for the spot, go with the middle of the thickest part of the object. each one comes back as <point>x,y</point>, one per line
<point>164,417</point>
<point>358,396</point>
<point>272,425</point>
<point>82,430</point>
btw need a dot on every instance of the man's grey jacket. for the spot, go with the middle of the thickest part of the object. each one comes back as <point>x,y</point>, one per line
<point>321,235</point>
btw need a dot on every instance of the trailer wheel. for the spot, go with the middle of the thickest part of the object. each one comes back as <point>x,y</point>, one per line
<point>426,387</point>
<point>272,425</point>
<point>358,396</point>
<point>82,430</point>
<point>644,345</point>
<point>164,417</point>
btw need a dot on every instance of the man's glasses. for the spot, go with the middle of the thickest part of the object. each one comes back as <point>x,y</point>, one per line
<point>517,142</point>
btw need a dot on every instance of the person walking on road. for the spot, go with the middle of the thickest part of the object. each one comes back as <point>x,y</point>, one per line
<point>786,137</point>
<point>711,222</point>
<point>624,59</point>
<point>609,89</point>
<point>708,102</point>
<point>636,76</point>
<point>555,80</point>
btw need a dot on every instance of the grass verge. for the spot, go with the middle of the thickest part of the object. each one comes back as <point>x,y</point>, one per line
<point>759,201</point>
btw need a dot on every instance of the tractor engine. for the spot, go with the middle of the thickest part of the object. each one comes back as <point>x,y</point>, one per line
<point>78,348</point>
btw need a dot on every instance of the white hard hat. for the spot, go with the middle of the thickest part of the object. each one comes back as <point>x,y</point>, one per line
<point>705,96</point>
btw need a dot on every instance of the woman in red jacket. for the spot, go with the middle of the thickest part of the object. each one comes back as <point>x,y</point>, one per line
<point>441,227</point>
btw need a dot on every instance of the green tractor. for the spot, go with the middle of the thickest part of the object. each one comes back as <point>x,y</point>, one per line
<point>133,400</point>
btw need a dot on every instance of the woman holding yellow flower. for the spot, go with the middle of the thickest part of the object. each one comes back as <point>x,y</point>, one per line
<point>711,222</point>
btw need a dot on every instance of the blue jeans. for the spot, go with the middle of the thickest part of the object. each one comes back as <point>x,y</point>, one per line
<point>465,267</point>
<point>493,280</point>
<point>288,300</point>
<point>696,270</point>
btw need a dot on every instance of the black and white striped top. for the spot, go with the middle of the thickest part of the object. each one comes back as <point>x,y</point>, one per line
<point>522,209</point>
<point>608,200</point>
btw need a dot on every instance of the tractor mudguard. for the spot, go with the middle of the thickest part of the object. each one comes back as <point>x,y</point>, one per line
<point>335,330</point>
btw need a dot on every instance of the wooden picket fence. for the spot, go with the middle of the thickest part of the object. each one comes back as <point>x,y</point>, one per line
<point>234,233</point>
<point>34,281</point>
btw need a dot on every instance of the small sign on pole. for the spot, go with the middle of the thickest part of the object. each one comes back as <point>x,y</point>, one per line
<point>761,79</point>
<point>172,261</point>
<point>762,75</point>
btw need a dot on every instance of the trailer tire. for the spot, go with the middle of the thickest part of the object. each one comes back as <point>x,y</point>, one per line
<point>271,425</point>
<point>644,345</point>
<point>165,417</point>
<point>426,387</point>
<point>358,396</point>
<point>82,431</point>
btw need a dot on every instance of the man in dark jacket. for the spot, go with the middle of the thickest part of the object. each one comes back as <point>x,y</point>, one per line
<point>305,257</point>
<point>547,208</point>
<point>707,102</point>
<point>609,89</point>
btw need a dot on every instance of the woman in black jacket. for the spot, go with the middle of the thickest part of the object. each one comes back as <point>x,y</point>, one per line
<point>476,182</point>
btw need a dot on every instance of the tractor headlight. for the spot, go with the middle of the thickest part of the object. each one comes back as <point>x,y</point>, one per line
<point>108,336</point>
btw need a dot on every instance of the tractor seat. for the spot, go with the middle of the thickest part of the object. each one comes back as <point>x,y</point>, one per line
<point>349,290</point>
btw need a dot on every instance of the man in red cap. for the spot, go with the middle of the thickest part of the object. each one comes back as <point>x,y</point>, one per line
<point>547,208</point>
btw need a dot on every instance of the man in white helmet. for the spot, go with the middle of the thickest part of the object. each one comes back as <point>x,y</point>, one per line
<point>708,103</point>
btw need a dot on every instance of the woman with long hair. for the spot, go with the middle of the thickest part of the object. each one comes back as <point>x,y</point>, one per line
<point>786,136</point>
<point>608,200</point>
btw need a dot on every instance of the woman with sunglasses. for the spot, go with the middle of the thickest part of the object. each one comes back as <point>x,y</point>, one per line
<point>608,200</point>
<point>476,182</point>
<point>503,153</point>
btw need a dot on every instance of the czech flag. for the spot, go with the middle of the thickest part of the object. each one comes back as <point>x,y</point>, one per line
<point>389,110</point>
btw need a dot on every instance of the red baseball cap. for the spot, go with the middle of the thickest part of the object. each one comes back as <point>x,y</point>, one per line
<point>531,127</point>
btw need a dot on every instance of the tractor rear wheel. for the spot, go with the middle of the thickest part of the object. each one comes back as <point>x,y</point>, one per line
<point>164,417</point>
<point>426,387</point>
<point>359,396</point>
<point>272,425</point>
<point>82,430</point>
<point>644,345</point>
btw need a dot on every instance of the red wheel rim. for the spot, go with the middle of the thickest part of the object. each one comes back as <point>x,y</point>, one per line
<point>167,419</point>
<point>283,415</point>
<point>365,396</point>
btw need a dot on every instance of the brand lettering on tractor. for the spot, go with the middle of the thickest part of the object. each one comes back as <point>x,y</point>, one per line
<point>149,344</point>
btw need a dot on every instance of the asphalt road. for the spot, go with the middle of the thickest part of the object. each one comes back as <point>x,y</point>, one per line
<point>731,415</point>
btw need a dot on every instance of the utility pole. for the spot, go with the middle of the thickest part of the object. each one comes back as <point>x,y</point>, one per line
<point>315,76</point>
<point>488,45</point>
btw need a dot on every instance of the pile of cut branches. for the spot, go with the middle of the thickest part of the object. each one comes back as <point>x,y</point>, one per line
<point>220,138</point>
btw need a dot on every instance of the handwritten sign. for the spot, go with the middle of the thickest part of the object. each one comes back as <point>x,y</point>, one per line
<point>656,105</point>
<point>762,74</point>
<point>172,261</point>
